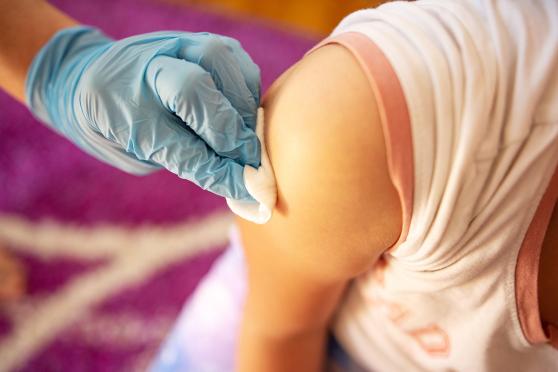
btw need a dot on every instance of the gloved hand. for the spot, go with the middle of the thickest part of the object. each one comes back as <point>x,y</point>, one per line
<point>183,101</point>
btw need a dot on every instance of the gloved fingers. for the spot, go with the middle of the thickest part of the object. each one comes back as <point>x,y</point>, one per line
<point>188,91</point>
<point>249,69</point>
<point>237,78</point>
<point>185,154</point>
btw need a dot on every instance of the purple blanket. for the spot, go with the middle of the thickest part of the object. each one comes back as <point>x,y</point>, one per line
<point>110,257</point>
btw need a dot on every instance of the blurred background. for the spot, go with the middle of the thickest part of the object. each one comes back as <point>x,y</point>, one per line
<point>316,17</point>
<point>108,259</point>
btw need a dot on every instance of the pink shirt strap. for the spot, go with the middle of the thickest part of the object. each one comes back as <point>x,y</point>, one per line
<point>527,270</point>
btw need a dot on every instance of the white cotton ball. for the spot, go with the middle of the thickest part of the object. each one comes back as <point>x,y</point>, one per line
<point>260,183</point>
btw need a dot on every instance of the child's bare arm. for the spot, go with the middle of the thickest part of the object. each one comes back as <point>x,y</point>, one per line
<point>337,210</point>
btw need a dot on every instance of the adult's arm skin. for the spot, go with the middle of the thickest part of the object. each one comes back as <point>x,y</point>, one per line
<point>337,211</point>
<point>26,26</point>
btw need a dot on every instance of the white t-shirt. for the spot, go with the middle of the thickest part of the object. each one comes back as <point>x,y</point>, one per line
<point>468,93</point>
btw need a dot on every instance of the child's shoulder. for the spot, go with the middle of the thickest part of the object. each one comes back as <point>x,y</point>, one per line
<point>337,204</point>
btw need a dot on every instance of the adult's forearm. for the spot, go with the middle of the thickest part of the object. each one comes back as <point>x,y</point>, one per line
<point>26,26</point>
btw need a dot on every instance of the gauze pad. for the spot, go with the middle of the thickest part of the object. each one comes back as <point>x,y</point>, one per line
<point>260,183</point>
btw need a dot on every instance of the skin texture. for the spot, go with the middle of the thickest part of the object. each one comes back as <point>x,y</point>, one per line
<point>26,26</point>
<point>337,210</point>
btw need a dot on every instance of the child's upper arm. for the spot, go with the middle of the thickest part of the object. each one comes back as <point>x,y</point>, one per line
<point>337,209</point>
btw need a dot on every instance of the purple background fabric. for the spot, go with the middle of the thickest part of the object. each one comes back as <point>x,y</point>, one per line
<point>43,176</point>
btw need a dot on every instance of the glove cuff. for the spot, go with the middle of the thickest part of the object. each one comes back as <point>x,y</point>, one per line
<point>50,88</point>
<point>55,71</point>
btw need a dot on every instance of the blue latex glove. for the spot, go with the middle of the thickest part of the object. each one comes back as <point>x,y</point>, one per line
<point>183,101</point>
